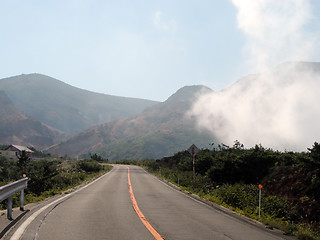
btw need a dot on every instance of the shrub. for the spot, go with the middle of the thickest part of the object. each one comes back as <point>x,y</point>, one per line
<point>238,196</point>
<point>89,166</point>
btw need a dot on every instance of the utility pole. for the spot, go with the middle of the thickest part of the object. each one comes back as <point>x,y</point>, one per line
<point>193,150</point>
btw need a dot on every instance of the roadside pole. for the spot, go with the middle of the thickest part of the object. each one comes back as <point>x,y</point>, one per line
<point>178,179</point>
<point>193,150</point>
<point>260,187</point>
<point>194,170</point>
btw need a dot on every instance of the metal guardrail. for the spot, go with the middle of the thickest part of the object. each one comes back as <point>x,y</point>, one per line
<point>8,190</point>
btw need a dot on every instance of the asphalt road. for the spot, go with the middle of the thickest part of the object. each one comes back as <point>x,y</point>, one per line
<point>104,210</point>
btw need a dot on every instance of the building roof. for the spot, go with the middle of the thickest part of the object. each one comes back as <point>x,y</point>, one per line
<point>21,148</point>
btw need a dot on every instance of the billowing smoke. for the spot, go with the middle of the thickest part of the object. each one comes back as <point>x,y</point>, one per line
<point>276,31</point>
<point>277,108</point>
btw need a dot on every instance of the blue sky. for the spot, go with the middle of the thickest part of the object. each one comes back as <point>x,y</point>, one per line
<point>144,48</point>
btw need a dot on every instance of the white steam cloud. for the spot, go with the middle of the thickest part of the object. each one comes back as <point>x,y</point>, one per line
<point>275,31</point>
<point>277,108</point>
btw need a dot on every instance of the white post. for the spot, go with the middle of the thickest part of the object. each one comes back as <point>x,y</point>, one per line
<point>260,187</point>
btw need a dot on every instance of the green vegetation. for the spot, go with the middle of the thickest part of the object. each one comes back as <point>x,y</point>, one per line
<point>47,177</point>
<point>151,144</point>
<point>98,158</point>
<point>3,147</point>
<point>23,161</point>
<point>230,177</point>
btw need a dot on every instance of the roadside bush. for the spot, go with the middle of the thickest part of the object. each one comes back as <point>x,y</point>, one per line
<point>47,177</point>
<point>246,197</point>
<point>8,169</point>
<point>277,207</point>
<point>40,173</point>
<point>238,195</point>
<point>63,180</point>
<point>89,166</point>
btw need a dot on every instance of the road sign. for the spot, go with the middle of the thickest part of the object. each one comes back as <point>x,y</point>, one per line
<point>193,150</point>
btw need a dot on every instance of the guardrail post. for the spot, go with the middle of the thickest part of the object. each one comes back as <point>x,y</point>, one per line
<point>9,208</point>
<point>7,191</point>
<point>21,200</point>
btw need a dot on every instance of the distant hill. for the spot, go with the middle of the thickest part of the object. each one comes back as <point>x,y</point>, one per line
<point>159,131</point>
<point>66,108</point>
<point>17,128</point>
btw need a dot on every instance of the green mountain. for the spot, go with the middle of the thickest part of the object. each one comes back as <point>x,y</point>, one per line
<point>17,128</point>
<point>159,131</point>
<point>66,108</point>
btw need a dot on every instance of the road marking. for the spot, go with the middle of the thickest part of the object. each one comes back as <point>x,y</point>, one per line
<point>17,235</point>
<point>19,232</point>
<point>140,214</point>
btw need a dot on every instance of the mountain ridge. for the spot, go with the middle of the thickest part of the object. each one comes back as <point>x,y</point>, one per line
<point>18,128</point>
<point>158,131</point>
<point>64,107</point>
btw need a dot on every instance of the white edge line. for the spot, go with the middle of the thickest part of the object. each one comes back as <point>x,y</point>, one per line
<point>19,232</point>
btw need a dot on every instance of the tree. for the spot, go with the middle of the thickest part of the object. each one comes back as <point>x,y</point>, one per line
<point>96,157</point>
<point>23,160</point>
<point>315,152</point>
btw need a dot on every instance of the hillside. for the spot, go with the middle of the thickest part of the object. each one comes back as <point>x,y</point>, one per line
<point>17,128</point>
<point>66,108</point>
<point>159,131</point>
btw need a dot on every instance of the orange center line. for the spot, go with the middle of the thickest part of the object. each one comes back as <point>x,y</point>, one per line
<point>140,214</point>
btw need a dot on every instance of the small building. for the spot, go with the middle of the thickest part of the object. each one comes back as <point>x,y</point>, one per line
<point>8,154</point>
<point>18,150</point>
